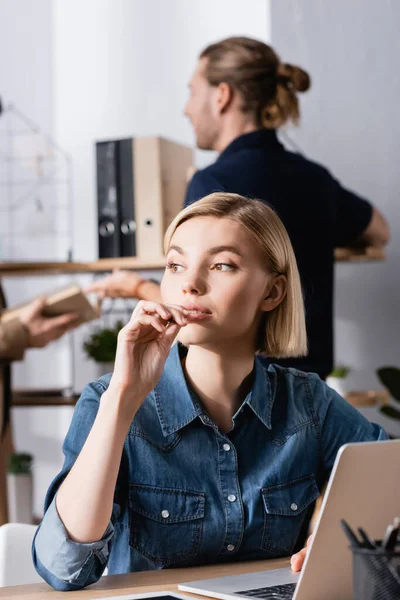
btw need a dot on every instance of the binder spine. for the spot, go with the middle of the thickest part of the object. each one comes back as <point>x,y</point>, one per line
<point>107,199</point>
<point>127,198</point>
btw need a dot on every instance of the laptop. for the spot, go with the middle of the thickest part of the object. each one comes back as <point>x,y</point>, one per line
<point>363,489</point>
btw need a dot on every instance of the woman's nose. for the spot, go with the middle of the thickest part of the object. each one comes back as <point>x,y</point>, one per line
<point>193,285</point>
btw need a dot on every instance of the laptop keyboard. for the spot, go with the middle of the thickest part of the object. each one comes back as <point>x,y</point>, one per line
<point>277,592</point>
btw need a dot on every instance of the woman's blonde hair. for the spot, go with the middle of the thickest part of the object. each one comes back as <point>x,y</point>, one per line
<point>268,86</point>
<point>283,330</point>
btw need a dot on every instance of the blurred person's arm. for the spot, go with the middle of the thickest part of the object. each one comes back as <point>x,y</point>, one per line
<point>32,330</point>
<point>356,221</point>
<point>377,233</point>
<point>126,284</point>
<point>13,340</point>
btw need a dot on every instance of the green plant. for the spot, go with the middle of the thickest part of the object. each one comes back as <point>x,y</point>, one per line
<point>20,464</point>
<point>390,378</point>
<point>340,372</point>
<point>101,345</point>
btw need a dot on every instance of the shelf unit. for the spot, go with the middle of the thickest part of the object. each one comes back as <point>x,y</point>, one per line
<point>23,269</point>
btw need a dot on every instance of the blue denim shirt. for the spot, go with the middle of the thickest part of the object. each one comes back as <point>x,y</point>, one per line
<point>189,494</point>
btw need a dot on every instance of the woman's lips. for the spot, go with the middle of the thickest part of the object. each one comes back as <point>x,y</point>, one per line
<point>196,315</point>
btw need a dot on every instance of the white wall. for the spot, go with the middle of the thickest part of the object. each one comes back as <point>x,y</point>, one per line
<point>351,124</point>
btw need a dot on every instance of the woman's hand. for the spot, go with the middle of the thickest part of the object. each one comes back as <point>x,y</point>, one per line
<point>297,560</point>
<point>142,349</point>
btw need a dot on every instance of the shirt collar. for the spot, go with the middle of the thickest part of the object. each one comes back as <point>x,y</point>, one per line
<point>177,405</point>
<point>262,395</point>
<point>262,138</point>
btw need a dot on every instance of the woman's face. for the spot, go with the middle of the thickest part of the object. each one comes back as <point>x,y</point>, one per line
<point>215,269</point>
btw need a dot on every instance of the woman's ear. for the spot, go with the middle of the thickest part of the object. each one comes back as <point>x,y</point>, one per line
<point>276,291</point>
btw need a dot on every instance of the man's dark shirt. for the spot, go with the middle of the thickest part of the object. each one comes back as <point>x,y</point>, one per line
<point>317,212</point>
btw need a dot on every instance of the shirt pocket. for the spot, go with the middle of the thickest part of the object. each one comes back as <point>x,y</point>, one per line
<point>285,508</point>
<point>165,524</point>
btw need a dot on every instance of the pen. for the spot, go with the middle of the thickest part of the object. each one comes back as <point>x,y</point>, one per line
<point>390,539</point>
<point>368,543</point>
<point>350,534</point>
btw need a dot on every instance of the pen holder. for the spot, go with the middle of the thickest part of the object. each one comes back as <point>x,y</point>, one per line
<point>376,574</point>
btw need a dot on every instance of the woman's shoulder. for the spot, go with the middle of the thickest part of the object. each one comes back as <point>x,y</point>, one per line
<point>297,384</point>
<point>290,373</point>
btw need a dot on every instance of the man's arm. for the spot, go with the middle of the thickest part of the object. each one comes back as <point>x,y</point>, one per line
<point>13,340</point>
<point>126,284</point>
<point>31,330</point>
<point>377,233</point>
<point>356,221</point>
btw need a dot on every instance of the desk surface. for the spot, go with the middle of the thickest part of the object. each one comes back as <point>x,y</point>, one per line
<point>137,583</point>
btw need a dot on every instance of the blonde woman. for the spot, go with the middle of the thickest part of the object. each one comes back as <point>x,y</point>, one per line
<point>194,453</point>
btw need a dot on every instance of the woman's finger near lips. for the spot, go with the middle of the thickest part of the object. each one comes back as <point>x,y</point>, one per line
<point>179,314</point>
<point>153,307</point>
<point>152,320</point>
<point>168,313</point>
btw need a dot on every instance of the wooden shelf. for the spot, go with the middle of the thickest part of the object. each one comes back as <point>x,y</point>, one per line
<point>61,268</point>
<point>108,264</point>
<point>368,397</point>
<point>42,398</point>
<point>368,254</point>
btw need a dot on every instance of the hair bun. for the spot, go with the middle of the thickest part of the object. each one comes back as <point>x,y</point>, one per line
<point>299,78</point>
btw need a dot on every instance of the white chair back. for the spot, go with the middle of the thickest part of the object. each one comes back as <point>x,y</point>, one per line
<point>16,566</point>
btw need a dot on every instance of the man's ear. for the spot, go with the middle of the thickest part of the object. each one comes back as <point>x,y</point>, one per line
<point>276,291</point>
<point>224,96</point>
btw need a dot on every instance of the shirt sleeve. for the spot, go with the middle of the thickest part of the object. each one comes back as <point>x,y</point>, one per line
<point>340,423</point>
<point>202,184</point>
<point>67,565</point>
<point>64,564</point>
<point>352,216</point>
<point>13,340</point>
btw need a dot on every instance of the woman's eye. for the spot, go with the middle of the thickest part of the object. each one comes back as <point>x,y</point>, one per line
<point>224,267</point>
<point>174,268</point>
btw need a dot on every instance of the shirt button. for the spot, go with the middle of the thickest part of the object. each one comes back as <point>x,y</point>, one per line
<point>231,497</point>
<point>165,514</point>
<point>230,547</point>
<point>294,506</point>
<point>226,447</point>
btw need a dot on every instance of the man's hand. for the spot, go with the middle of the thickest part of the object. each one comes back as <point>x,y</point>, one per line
<point>120,284</point>
<point>43,330</point>
<point>126,284</point>
<point>297,560</point>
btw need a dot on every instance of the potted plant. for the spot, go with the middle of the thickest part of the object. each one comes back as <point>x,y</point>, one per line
<point>390,378</point>
<point>19,488</point>
<point>336,380</point>
<point>101,346</point>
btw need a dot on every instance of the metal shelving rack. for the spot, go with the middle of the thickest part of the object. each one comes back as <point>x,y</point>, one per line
<point>35,187</point>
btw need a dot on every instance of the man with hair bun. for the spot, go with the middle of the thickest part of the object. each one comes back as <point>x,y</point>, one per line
<point>240,95</point>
